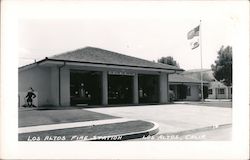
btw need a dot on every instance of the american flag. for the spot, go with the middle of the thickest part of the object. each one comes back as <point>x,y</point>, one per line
<point>194,32</point>
<point>193,36</point>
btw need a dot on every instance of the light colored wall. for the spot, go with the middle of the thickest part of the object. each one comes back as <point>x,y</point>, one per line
<point>215,95</point>
<point>135,89</point>
<point>168,100</point>
<point>194,93</point>
<point>65,86</point>
<point>225,95</point>
<point>229,92</point>
<point>163,88</point>
<point>45,81</point>
<point>39,79</point>
<point>104,88</point>
<point>54,86</point>
<point>220,96</point>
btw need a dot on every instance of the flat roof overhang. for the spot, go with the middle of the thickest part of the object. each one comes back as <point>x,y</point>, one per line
<point>55,62</point>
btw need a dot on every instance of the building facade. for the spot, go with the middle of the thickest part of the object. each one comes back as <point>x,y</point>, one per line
<point>216,89</point>
<point>93,76</point>
<point>185,88</point>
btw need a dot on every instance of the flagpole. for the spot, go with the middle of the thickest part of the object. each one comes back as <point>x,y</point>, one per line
<point>202,96</point>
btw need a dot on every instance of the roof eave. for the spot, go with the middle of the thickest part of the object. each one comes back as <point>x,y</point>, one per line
<point>51,62</point>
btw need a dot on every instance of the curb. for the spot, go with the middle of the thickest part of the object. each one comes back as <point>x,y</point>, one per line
<point>181,133</point>
<point>39,128</point>
<point>218,100</point>
<point>126,136</point>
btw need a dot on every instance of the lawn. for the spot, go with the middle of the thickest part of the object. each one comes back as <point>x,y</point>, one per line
<point>44,117</point>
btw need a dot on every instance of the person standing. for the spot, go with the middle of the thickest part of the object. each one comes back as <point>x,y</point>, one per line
<point>30,96</point>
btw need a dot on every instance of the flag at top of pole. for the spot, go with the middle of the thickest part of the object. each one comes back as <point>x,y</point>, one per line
<point>194,32</point>
<point>193,36</point>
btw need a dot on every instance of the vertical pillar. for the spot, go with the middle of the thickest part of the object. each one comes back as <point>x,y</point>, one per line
<point>104,88</point>
<point>54,86</point>
<point>65,86</point>
<point>163,88</point>
<point>227,92</point>
<point>167,90</point>
<point>135,89</point>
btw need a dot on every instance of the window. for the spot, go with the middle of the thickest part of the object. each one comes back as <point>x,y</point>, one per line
<point>221,91</point>
<point>210,91</point>
<point>188,91</point>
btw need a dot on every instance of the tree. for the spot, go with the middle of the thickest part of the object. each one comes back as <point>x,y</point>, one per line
<point>222,70</point>
<point>168,60</point>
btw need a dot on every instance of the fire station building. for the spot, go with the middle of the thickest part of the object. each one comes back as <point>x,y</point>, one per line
<point>93,76</point>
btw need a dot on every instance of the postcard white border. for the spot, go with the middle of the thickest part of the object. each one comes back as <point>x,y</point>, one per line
<point>13,11</point>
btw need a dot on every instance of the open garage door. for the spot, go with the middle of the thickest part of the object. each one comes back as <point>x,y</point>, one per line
<point>120,89</point>
<point>85,87</point>
<point>148,88</point>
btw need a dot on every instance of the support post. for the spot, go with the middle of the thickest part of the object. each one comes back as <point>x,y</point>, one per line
<point>135,89</point>
<point>59,83</point>
<point>104,88</point>
<point>65,87</point>
<point>163,88</point>
<point>168,100</point>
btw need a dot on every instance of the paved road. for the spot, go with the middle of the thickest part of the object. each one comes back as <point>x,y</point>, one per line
<point>217,103</point>
<point>173,118</point>
<point>221,134</point>
<point>217,134</point>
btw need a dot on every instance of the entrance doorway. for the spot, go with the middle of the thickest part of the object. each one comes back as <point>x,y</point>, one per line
<point>85,87</point>
<point>181,92</point>
<point>120,89</point>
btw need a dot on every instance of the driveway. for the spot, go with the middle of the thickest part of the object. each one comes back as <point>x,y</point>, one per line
<point>173,117</point>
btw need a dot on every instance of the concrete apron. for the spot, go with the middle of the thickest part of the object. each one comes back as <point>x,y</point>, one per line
<point>174,118</point>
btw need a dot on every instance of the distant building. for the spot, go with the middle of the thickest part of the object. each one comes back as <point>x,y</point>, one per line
<point>93,76</point>
<point>216,89</point>
<point>186,88</point>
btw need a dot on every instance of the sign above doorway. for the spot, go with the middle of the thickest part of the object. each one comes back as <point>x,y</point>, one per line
<point>121,73</point>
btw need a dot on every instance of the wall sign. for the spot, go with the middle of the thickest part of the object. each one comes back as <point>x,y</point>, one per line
<point>120,73</point>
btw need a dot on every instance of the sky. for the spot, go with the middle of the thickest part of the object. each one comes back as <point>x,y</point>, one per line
<point>148,30</point>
